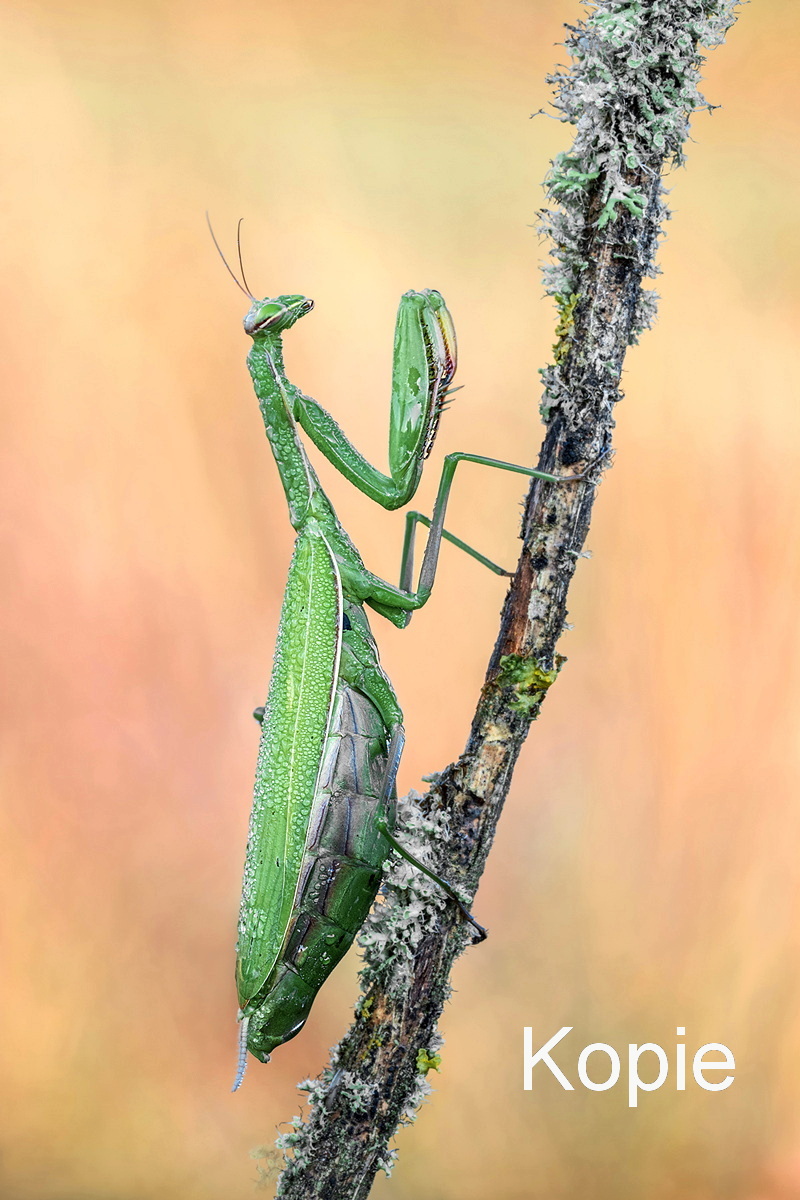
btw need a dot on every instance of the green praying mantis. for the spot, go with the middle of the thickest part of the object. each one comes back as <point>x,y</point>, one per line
<point>323,816</point>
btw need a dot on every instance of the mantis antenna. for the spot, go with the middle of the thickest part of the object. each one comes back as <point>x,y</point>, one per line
<point>246,291</point>
<point>241,264</point>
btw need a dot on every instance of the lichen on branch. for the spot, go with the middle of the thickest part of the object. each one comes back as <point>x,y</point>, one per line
<point>630,92</point>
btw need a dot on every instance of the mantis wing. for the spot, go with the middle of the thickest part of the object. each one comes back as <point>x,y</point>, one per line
<point>293,733</point>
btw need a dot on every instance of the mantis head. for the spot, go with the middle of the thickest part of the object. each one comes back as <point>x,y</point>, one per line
<point>275,316</point>
<point>265,316</point>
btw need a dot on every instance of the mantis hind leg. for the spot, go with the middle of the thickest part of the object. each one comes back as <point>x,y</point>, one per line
<point>395,750</point>
<point>446,887</point>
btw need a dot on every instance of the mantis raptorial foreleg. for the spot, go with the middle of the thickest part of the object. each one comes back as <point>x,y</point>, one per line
<point>423,367</point>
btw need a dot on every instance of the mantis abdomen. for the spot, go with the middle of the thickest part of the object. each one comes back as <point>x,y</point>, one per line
<point>340,875</point>
<point>315,850</point>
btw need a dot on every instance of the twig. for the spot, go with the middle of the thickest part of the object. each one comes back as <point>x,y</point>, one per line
<point>630,92</point>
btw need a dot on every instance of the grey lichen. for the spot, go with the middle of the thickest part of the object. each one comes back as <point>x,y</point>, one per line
<point>630,91</point>
<point>333,1085</point>
<point>410,903</point>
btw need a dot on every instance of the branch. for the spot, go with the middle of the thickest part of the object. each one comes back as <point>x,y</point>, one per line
<point>630,91</point>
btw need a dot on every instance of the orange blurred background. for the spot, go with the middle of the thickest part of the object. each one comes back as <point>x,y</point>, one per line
<point>645,875</point>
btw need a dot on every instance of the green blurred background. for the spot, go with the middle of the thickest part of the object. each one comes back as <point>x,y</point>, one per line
<point>645,873</point>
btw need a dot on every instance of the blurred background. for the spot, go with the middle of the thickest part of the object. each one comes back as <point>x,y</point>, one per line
<point>645,875</point>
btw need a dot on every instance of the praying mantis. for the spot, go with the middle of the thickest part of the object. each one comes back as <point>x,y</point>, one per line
<point>323,816</point>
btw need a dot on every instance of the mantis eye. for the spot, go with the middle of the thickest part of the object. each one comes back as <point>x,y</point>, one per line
<point>275,316</point>
<point>268,312</point>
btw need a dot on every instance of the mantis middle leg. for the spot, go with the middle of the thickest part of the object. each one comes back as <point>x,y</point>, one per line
<point>399,603</point>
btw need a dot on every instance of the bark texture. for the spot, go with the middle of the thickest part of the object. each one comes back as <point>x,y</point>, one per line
<point>630,91</point>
